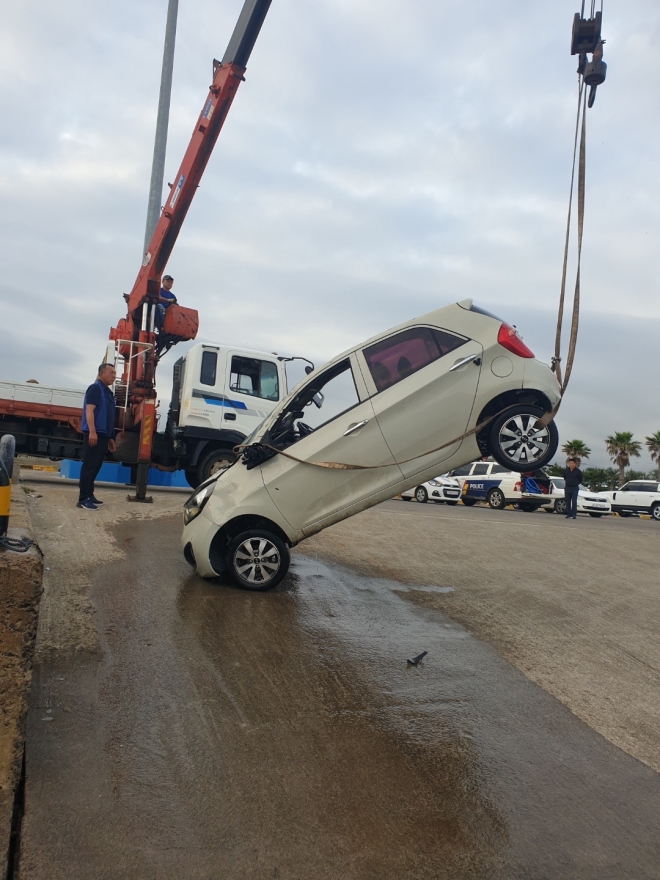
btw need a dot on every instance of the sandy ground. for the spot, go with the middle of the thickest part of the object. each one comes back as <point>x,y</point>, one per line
<point>574,605</point>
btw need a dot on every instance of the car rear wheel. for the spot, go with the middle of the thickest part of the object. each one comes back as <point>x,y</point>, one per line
<point>496,499</point>
<point>452,503</point>
<point>528,508</point>
<point>549,509</point>
<point>406,498</point>
<point>560,506</point>
<point>469,502</point>
<point>257,560</point>
<point>625,513</point>
<point>518,443</point>
<point>655,512</point>
<point>421,495</point>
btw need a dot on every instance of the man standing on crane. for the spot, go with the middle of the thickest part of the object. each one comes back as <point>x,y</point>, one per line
<point>98,427</point>
<point>165,299</point>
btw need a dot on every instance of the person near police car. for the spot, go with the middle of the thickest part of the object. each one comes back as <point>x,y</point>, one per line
<point>572,479</point>
<point>98,427</point>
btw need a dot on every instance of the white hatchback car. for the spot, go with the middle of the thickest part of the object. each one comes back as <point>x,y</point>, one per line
<point>594,503</point>
<point>442,490</point>
<point>391,412</point>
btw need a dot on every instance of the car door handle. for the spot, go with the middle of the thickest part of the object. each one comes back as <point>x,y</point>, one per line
<point>356,427</point>
<point>464,361</point>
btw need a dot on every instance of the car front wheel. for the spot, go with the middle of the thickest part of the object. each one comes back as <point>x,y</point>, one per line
<point>469,502</point>
<point>625,513</point>
<point>596,515</point>
<point>518,443</point>
<point>655,512</point>
<point>560,506</point>
<point>257,560</point>
<point>421,495</point>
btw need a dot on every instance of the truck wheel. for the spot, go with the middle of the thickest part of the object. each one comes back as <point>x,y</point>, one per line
<point>210,464</point>
<point>421,495</point>
<point>516,443</point>
<point>496,499</point>
<point>257,560</point>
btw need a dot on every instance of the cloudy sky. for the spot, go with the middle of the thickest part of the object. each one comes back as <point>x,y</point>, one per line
<point>381,159</point>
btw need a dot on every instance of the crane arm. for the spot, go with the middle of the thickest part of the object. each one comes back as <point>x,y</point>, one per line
<point>227,76</point>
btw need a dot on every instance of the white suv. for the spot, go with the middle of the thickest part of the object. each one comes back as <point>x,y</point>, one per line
<point>489,481</point>
<point>638,496</point>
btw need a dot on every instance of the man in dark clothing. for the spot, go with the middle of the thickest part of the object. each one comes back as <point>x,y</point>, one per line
<point>572,480</point>
<point>165,299</point>
<point>98,427</point>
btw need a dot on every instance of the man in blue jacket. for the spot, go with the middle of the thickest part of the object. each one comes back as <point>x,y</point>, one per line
<point>98,427</point>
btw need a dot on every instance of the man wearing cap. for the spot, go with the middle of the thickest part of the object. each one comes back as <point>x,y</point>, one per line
<point>166,299</point>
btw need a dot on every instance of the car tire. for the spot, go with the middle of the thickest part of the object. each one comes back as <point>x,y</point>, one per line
<point>528,508</point>
<point>549,509</point>
<point>560,507</point>
<point>655,512</point>
<point>625,513</point>
<point>421,495</point>
<point>211,463</point>
<point>469,502</point>
<point>436,501</point>
<point>272,557</point>
<point>496,499</point>
<point>519,454</point>
<point>451,503</point>
<point>406,498</point>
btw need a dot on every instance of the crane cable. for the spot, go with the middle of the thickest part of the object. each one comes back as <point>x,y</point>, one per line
<point>579,157</point>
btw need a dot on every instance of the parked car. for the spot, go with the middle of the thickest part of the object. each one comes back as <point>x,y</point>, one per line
<point>594,503</point>
<point>442,490</point>
<point>638,496</point>
<point>391,412</point>
<point>499,486</point>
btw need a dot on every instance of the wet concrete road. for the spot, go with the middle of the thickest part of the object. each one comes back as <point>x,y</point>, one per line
<point>222,734</point>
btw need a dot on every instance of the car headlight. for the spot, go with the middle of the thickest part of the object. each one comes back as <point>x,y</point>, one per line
<point>434,483</point>
<point>195,504</point>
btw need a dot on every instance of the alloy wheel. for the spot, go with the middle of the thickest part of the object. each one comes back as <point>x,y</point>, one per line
<point>257,560</point>
<point>521,439</point>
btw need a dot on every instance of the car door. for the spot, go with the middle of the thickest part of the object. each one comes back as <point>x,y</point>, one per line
<point>424,382</point>
<point>629,496</point>
<point>342,429</point>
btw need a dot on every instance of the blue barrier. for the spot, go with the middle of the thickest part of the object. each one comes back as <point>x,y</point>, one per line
<point>114,472</point>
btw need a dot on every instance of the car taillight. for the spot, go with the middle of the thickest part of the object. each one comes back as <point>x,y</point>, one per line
<point>517,487</point>
<point>509,338</point>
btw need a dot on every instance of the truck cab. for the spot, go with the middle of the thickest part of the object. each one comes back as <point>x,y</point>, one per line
<point>220,394</point>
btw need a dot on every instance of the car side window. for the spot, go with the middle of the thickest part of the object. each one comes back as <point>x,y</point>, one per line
<point>326,396</point>
<point>254,377</point>
<point>403,354</point>
<point>480,470</point>
<point>461,471</point>
<point>498,469</point>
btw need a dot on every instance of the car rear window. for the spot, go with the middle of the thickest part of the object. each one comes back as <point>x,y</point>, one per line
<point>399,356</point>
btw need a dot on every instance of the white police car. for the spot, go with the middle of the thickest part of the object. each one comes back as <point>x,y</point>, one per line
<point>442,490</point>
<point>489,481</point>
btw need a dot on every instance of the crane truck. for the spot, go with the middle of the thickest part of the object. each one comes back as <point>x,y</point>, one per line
<point>220,393</point>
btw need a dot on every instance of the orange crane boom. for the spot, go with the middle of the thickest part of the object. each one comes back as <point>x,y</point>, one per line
<point>135,336</point>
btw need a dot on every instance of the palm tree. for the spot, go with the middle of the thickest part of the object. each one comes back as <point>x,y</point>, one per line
<point>620,447</point>
<point>576,449</point>
<point>653,446</point>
